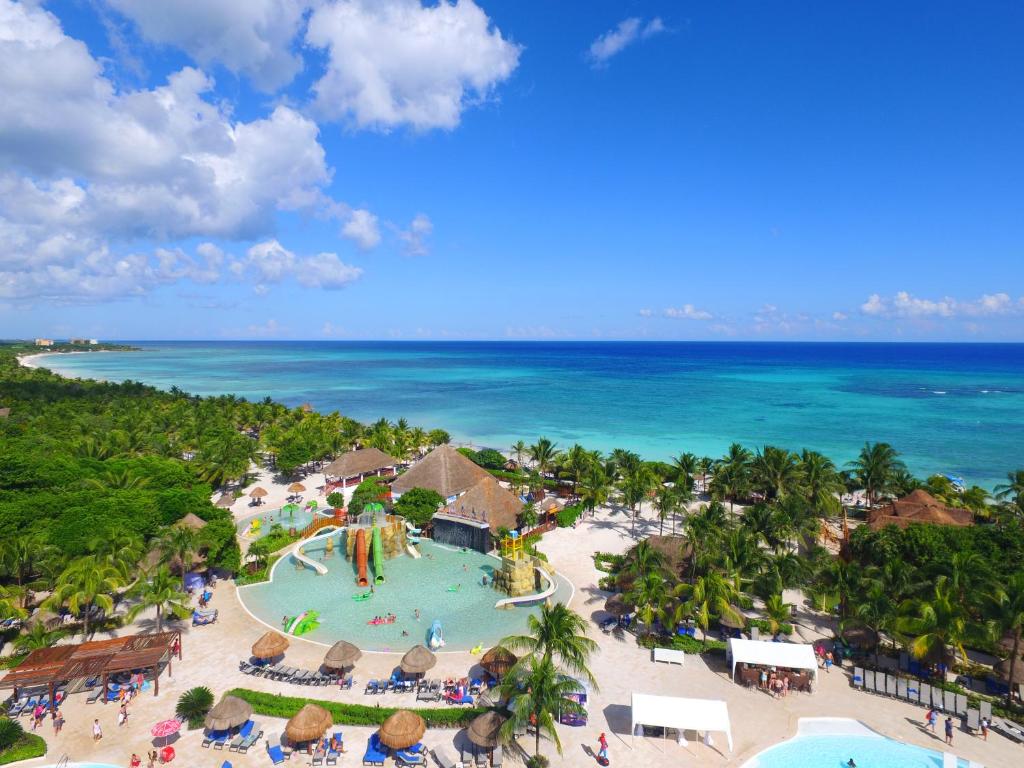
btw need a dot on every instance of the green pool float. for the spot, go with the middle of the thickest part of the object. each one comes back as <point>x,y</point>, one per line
<point>362,596</point>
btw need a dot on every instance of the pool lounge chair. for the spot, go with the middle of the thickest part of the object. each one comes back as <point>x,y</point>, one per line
<point>913,691</point>
<point>333,754</point>
<point>443,757</point>
<point>467,757</point>
<point>869,681</point>
<point>318,754</point>
<point>276,754</point>
<point>481,759</point>
<point>926,694</point>
<point>255,735</point>
<point>226,764</point>
<point>242,735</point>
<point>901,688</point>
<point>404,757</point>
<point>973,720</point>
<point>376,753</point>
<point>372,688</point>
<point>16,707</point>
<point>890,685</point>
<point>961,704</point>
<point>948,701</point>
<point>496,757</point>
<point>94,696</point>
<point>858,677</point>
<point>221,740</point>
<point>210,736</point>
<point>986,710</point>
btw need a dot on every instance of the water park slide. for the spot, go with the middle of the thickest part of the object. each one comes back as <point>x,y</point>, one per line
<point>378,555</point>
<point>361,579</point>
<point>413,552</point>
<point>298,554</point>
<point>536,597</point>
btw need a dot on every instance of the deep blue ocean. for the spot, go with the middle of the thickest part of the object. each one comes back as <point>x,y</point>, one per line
<point>955,408</point>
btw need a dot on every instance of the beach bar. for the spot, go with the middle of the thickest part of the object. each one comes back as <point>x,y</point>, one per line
<point>75,666</point>
<point>353,467</point>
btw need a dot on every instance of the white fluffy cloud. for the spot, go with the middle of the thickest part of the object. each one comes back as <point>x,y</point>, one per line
<point>627,32</point>
<point>326,271</point>
<point>90,169</point>
<point>269,262</point>
<point>415,237</point>
<point>398,62</point>
<point>254,38</point>
<point>687,312</point>
<point>362,227</point>
<point>903,304</point>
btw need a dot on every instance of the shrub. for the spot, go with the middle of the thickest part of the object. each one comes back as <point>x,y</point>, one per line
<point>418,505</point>
<point>373,490</point>
<point>536,761</point>
<point>274,705</point>
<point>336,499</point>
<point>765,626</point>
<point>567,517</point>
<point>10,732</point>
<point>194,704</point>
<point>488,458</point>
<point>681,643</point>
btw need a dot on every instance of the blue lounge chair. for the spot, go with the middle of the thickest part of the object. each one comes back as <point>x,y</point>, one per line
<point>275,752</point>
<point>372,687</point>
<point>212,736</point>
<point>30,705</point>
<point>220,740</point>
<point>225,764</point>
<point>405,757</point>
<point>376,753</point>
<point>16,707</point>
<point>242,735</point>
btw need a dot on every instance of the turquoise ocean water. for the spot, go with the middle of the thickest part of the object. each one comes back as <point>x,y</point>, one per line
<point>955,408</point>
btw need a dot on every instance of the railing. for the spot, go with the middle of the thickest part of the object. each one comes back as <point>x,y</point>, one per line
<point>63,762</point>
<point>316,525</point>
<point>548,526</point>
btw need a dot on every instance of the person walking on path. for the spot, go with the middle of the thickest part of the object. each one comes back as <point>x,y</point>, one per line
<point>984,728</point>
<point>58,722</point>
<point>602,749</point>
<point>930,719</point>
<point>97,730</point>
<point>949,730</point>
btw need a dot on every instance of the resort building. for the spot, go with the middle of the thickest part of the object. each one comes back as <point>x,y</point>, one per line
<point>444,470</point>
<point>84,342</point>
<point>918,507</point>
<point>355,466</point>
<point>44,342</point>
<point>474,517</point>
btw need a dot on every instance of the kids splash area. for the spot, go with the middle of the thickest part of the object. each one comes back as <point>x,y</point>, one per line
<point>372,580</point>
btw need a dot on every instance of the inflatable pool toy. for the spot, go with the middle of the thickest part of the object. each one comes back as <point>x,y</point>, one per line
<point>377,621</point>
<point>454,587</point>
<point>305,622</point>
<point>435,638</point>
<point>362,596</point>
<point>254,526</point>
<point>477,649</point>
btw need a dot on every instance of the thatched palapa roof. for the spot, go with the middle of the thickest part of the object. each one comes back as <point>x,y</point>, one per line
<point>342,655</point>
<point>918,507</point>
<point>310,722</point>
<point>191,521</point>
<point>488,498</point>
<point>402,729</point>
<point>296,488</point>
<point>270,645</point>
<point>616,605</point>
<point>483,731</point>
<point>417,660</point>
<point>444,470</point>
<point>359,462</point>
<point>225,500</point>
<point>498,661</point>
<point>231,712</point>
<point>257,492</point>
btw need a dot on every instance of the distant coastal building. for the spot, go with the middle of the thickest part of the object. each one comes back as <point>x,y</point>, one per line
<point>353,467</point>
<point>44,342</point>
<point>918,507</point>
<point>84,342</point>
<point>444,470</point>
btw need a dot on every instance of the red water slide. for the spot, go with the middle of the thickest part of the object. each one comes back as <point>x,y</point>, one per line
<point>360,553</point>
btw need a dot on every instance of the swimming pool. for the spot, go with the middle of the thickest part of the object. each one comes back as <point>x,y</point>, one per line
<point>268,518</point>
<point>832,742</point>
<point>444,584</point>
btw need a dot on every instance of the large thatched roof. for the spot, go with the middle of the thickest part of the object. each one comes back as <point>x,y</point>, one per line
<point>488,500</point>
<point>231,712</point>
<point>310,722</point>
<point>402,729</point>
<point>483,731</point>
<point>918,507</point>
<point>498,660</point>
<point>359,462</point>
<point>417,660</point>
<point>444,470</point>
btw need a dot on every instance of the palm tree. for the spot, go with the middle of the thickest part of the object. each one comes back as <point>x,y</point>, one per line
<point>666,502</point>
<point>648,595</point>
<point>710,596</point>
<point>875,609</point>
<point>543,454</point>
<point>123,480</point>
<point>519,450</point>
<point>935,622</point>
<point>876,468</point>
<point>577,460</point>
<point>160,590</point>
<point>644,558</point>
<point>775,471</point>
<point>557,634</point>
<point>11,603</point>
<point>181,544</point>
<point>1004,612</point>
<point>87,583</point>
<point>1012,491</point>
<point>730,481</point>
<point>638,480</point>
<point>822,485</point>
<point>120,549</point>
<point>777,612</point>
<point>21,557</point>
<point>703,532</point>
<point>536,692</point>
<point>595,488</point>
<point>37,637</point>
<point>685,465</point>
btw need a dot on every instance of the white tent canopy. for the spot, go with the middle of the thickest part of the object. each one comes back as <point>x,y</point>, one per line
<point>769,654</point>
<point>681,714</point>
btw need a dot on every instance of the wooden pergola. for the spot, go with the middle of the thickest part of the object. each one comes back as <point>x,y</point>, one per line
<point>70,664</point>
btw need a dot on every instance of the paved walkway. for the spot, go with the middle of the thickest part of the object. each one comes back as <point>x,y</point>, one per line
<point>211,656</point>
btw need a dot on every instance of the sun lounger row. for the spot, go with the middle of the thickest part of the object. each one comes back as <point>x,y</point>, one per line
<point>425,690</point>
<point>294,675</point>
<point>910,690</point>
<point>26,704</point>
<point>246,737</point>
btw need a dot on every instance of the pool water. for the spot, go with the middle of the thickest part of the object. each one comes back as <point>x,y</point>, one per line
<point>443,584</point>
<point>834,751</point>
<point>271,517</point>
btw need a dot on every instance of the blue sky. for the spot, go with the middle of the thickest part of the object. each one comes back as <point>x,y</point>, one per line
<point>343,169</point>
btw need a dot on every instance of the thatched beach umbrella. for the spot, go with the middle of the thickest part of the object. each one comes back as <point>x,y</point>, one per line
<point>417,661</point>
<point>226,500</point>
<point>738,621</point>
<point>616,605</point>
<point>861,637</point>
<point>483,731</point>
<point>310,722</point>
<point>342,655</point>
<point>231,712</point>
<point>257,493</point>
<point>1003,670</point>
<point>402,730</point>
<point>270,645</point>
<point>498,661</point>
<point>296,488</point>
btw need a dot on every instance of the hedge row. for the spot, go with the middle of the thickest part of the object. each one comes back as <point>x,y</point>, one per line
<point>274,705</point>
<point>25,748</point>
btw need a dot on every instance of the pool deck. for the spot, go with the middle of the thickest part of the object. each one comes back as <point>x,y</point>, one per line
<point>211,656</point>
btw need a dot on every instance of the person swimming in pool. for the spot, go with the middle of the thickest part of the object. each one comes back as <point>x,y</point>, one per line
<point>851,764</point>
